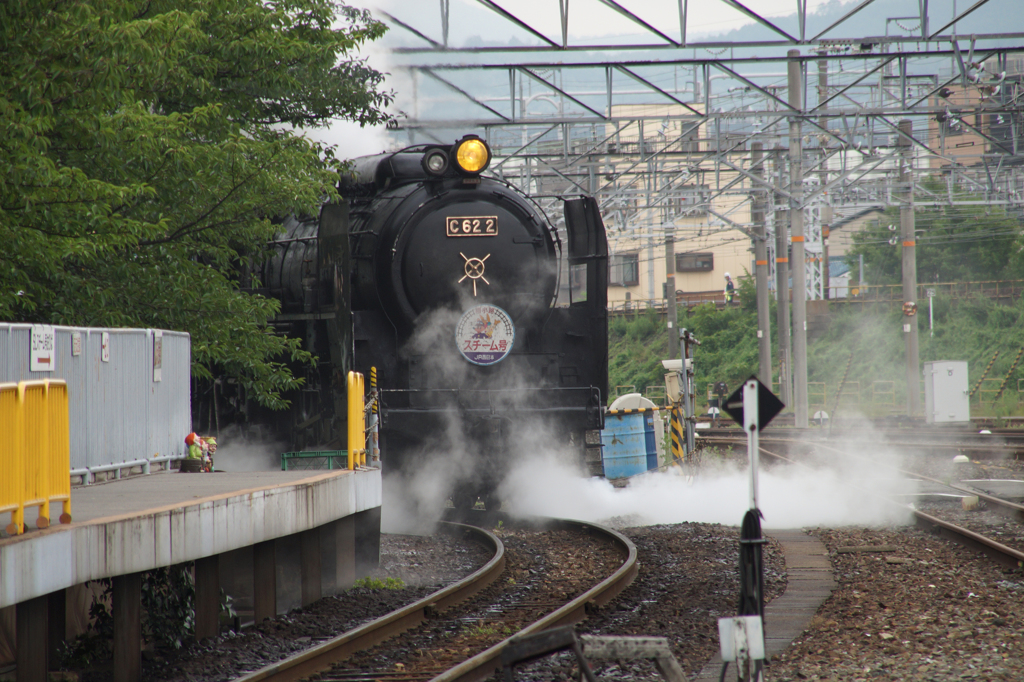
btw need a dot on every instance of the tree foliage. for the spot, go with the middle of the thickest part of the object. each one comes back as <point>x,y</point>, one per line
<point>954,244</point>
<point>727,351</point>
<point>146,147</point>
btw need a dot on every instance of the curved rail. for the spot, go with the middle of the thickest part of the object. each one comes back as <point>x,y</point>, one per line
<point>997,551</point>
<point>1007,556</point>
<point>815,438</point>
<point>482,665</point>
<point>324,655</point>
<point>1005,507</point>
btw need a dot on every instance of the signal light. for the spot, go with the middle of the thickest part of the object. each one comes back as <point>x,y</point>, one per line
<point>435,161</point>
<point>471,155</point>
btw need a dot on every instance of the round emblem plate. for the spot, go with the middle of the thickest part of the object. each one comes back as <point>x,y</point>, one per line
<point>485,334</point>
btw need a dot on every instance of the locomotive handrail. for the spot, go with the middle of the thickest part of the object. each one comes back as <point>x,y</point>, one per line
<point>356,421</point>
<point>524,389</point>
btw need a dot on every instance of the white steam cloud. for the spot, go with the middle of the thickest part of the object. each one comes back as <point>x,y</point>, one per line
<point>414,499</point>
<point>829,494</point>
<point>236,452</point>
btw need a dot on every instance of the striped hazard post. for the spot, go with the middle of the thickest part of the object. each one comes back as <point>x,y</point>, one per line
<point>676,423</point>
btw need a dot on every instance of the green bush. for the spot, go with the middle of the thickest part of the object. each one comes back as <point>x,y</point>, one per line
<point>378,584</point>
<point>869,338</point>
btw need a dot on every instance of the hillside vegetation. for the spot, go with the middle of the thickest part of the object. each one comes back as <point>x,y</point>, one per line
<point>970,330</point>
<point>864,341</point>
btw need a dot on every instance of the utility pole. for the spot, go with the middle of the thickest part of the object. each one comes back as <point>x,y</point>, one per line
<point>764,324</point>
<point>796,223</point>
<point>826,225</point>
<point>670,294</point>
<point>826,209</point>
<point>909,266</point>
<point>782,285</point>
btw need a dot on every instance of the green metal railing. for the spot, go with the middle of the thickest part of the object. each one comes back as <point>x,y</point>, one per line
<point>314,459</point>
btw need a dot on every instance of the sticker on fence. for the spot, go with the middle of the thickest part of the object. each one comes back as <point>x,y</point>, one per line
<point>158,355</point>
<point>43,343</point>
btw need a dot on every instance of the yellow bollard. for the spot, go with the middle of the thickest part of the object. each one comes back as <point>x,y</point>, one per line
<point>12,460</point>
<point>356,421</point>
<point>35,452</point>
<point>59,469</point>
<point>37,447</point>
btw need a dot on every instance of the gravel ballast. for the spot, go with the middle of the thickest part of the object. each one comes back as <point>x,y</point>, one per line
<point>930,610</point>
<point>926,609</point>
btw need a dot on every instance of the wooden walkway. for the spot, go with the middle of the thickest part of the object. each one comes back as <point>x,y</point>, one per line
<point>809,584</point>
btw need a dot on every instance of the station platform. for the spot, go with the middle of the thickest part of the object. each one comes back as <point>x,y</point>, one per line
<point>323,521</point>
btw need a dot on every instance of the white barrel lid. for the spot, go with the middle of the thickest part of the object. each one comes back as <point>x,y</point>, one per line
<point>631,401</point>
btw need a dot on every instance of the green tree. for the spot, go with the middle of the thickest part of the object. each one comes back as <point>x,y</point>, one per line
<point>146,148</point>
<point>954,243</point>
<point>727,351</point>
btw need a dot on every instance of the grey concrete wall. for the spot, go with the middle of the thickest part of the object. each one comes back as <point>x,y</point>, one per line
<point>45,561</point>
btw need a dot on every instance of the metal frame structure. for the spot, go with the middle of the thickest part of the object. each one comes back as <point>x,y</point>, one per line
<point>613,144</point>
<point>660,127</point>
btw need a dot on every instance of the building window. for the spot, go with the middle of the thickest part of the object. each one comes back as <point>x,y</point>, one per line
<point>695,262</point>
<point>624,269</point>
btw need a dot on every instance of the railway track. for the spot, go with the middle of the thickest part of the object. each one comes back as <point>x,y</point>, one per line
<point>999,443</point>
<point>459,633</point>
<point>942,521</point>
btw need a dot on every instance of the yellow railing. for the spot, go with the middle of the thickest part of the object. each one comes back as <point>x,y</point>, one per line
<point>35,451</point>
<point>356,421</point>
<point>1008,289</point>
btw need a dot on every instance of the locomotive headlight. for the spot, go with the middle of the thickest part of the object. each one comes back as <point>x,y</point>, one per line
<point>472,155</point>
<point>435,161</point>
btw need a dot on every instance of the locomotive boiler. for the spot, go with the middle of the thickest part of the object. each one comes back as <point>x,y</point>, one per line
<point>486,324</point>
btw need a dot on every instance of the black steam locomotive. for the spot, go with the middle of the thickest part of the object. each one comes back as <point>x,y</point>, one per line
<point>484,327</point>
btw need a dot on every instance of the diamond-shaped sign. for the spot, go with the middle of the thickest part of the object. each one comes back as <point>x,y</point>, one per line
<point>768,404</point>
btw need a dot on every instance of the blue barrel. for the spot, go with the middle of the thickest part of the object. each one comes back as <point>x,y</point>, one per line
<point>629,445</point>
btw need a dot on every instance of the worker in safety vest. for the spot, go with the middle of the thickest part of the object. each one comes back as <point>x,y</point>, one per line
<point>730,289</point>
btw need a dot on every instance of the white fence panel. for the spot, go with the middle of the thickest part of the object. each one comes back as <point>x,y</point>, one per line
<point>124,406</point>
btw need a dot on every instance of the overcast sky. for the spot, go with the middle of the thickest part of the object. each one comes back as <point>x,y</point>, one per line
<point>590,21</point>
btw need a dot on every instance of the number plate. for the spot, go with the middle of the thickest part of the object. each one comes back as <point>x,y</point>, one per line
<point>472,226</point>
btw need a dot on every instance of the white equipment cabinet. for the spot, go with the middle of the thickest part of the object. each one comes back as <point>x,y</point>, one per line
<point>946,398</point>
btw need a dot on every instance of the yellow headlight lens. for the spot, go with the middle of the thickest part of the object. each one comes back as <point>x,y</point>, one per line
<point>472,155</point>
